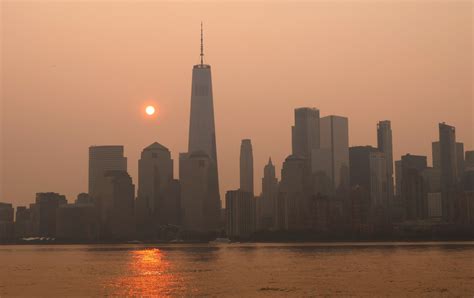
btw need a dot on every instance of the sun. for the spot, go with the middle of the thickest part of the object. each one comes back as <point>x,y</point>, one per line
<point>150,110</point>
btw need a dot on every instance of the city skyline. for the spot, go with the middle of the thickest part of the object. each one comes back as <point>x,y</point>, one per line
<point>362,128</point>
<point>252,148</point>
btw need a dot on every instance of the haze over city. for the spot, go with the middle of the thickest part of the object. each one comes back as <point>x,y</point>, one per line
<point>82,73</point>
<point>222,148</point>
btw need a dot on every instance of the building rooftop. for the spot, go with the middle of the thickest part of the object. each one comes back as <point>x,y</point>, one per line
<point>156,146</point>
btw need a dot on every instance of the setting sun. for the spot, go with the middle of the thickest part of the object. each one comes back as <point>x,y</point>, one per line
<point>150,110</point>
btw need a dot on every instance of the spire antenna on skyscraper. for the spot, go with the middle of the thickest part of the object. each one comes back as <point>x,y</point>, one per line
<point>202,46</point>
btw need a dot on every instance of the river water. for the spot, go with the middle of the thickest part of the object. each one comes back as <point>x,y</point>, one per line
<point>313,269</point>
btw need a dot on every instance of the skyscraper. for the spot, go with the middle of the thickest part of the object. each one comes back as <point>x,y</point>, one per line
<point>384,144</point>
<point>103,159</point>
<point>115,195</point>
<point>158,201</point>
<point>436,153</point>
<point>246,166</point>
<point>368,172</point>
<point>293,194</point>
<point>305,132</point>
<point>449,171</point>
<point>266,203</point>
<point>412,189</point>
<point>335,137</point>
<point>202,133</point>
<point>198,167</point>
<point>155,173</point>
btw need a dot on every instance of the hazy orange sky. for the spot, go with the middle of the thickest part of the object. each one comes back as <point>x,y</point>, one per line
<point>76,74</point>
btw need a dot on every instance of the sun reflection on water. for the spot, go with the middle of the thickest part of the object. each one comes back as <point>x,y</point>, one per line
<point>148,273</point>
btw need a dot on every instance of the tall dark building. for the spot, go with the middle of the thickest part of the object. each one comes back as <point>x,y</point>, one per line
<point>334,135</point>
<point>305,132</point>
<point>6,212</point>
<point>246,166</point>
<point>449,169</point>
<point>384,144</point>
<point>201,158</point>
<point>293,194</point>
<point>158,201</point>
<point>266,202</point>
<point>459,151</point>
<point>115,195</point>
<point>103,159</point>
<point>412,189</point>
<point>368,173</point>
<point>22,222</point>
<point>202,132</point>
<point>6,222</point>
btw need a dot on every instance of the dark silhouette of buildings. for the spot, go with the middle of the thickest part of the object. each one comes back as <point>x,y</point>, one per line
<point>6,222</point>
<point>384,144</point>
<point>293,195</point>
<point>266,203</point>
<point>44,212</point>
<point>412,186</point>
<point>335,138</point>
<point>23,222</point>
<point>431,201</point>
<point>198,173</point>
<point>432,189</point>
<point>305,133</point>
<point>77,222</point>
<point>449,169</point>
<point>115,195</point>
<point>369,199</point>
<point>246,166</point>
<point>327,190</point>
<point>436,155</point>
<point>103,159</point>
<point>158,201</point>
<point>84,198</point>
<point>368,171</point>
<point>200,201</point>
<point>469,161</point>
<point>240,214</point>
